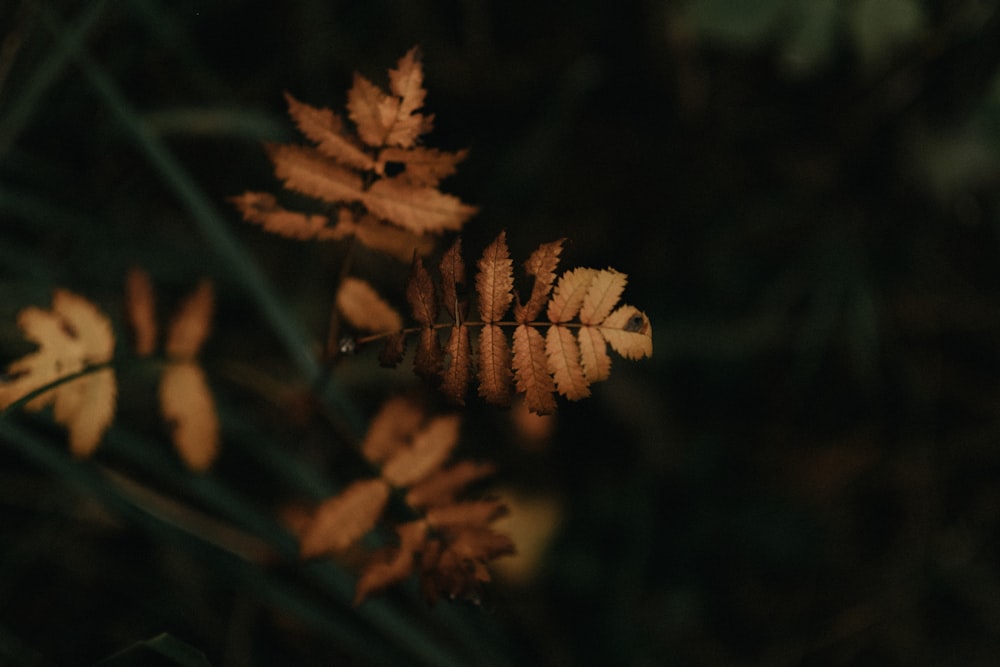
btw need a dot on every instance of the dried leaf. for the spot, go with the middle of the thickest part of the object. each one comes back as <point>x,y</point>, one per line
<point>594,354</point>
<point>90,411</point>
<point>406,82</point>
<point>421,166</point>
<point>469,513</point>
<point>541,265</point>
<point>629,332</point>
<point>400,243</point>
<point>393,350</point>
<point>263,209</point>
<point>531,374</point>
<point>452,277</point>
<point>342,520</point>
<point>392,565</point>
<point>569,293</point>
<point>140,304</point>
<point>372,111</point>
<point>309,172</point>
<point>72,335</point>
<point>602,295</point>
<point>392,428</point>
<point>563,355</point>
<point>431,446</point>
<point>455,377</point>
<point>420,209</point>
<point>420,294</point>
<point>443,486</point>
<point>326,129</point>
<point>495,280</point>
<point>364,309</point>
<point>428,359</point>
<point>456,568</point>
<point>188,408</point>
<point>192,323</point>
<point>494,365</point>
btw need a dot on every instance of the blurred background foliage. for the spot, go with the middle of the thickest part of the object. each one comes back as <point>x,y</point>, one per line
<point>804,194</point>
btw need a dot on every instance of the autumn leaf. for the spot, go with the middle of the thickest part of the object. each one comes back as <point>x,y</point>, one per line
<point>420,209</point>
<point>411,449</point>
<point>191,323</point>
<point>364,309</point>
<point>442,487</point>
<point>189,409</point>
<point>495,375</point>
<point>326,129</point>
<point>186,401</point>
<point>584,318</point>
<point>531,370</point>
<point>420,294</point>
<point>456,375</point>
<point>452,278</point>
<point>392,565</point>
<point>140,304</point>
<point>391,428</point>
<point>422,166</point>
<point>381,172</point>
<point>495,280</point>
<point>262,208</point>
<point>343,519</point>
<point>72,336</point>
<point>430,447</point>
<point>541,265</point>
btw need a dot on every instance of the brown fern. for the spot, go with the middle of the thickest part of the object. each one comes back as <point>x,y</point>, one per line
<point>565,353</point>
<point>382,185</point>
<point>73,335</point>
<point>446,541</point>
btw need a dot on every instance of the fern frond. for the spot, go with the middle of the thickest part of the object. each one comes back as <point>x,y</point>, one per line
<point>73,335</point>
<point>583,319</point>
<point>378,166</point>
<point>411,450</point>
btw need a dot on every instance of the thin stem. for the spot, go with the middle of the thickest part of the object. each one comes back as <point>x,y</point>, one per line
<point>58,382</point>
<point>371,338</point>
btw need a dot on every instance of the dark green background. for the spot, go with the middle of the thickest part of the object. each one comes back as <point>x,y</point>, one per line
<point>804,194</point>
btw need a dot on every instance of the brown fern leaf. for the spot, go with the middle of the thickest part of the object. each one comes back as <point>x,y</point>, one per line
<point>189,410</point>
<point>393,564</point>
<point>263,209</point>
<point>380,169</point>
<point>391,120</point>
<point>452,278</point>
<point>541,265</point>
<point>443,486</point>
<point>364,309</point>
<point>420,295</point>
<point>429,449</point>
<point>420,209</point>
<point>584,317</point>
<point>456,375</point>
<point>326,129</point>
<point>531,370</point>
<point>191,323</point>
<point>140,304</point>
<point>495,280</point>
<point>342,520</point>
<point>391,429</point>
<point>421,166</point>
<point>495,373</point>
<point>563,354</point>
<point>71,336</point>
<point>400,243</point>
<point>411,450</point>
